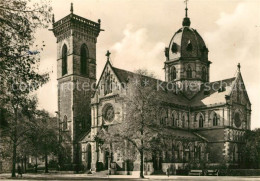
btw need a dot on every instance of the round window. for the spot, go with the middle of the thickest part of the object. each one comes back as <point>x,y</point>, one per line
<point>237,120</point>
<point>108,113</point>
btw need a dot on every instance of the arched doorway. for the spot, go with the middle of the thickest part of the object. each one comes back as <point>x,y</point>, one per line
<point>88,156</point>
<point>157,161</point>
<point>107,155</point>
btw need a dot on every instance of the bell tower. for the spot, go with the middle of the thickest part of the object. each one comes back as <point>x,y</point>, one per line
<point>76,75</point>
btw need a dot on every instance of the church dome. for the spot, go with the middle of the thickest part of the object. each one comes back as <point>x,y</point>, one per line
<point>186,43</point>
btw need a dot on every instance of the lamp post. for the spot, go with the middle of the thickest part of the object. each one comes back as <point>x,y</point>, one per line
<point>59,136</point>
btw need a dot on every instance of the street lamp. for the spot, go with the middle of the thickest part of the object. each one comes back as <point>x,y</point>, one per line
<point>59,136</point>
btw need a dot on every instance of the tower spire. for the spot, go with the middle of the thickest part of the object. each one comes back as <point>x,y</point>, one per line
<point>186,20</point>
<point>71,8</point>
<point>186,9</point>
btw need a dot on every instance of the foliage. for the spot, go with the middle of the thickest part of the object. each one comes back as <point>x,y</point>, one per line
<point>19,75</point>
<point>251,149</point>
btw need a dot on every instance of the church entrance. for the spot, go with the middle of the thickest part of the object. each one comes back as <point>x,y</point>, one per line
<point>157,162</point>
<point>88,157</point>
<point>106,159</point>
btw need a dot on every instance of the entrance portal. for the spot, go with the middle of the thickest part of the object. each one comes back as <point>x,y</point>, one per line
<point>88,156</point>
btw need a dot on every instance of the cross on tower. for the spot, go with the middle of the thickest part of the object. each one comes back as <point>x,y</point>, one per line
<point>71,8</point>
<point>238,67</point>
<point>108,55</point>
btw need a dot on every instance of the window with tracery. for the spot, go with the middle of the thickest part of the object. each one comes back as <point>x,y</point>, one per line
<point>84,60</point>
<point>172,73</point>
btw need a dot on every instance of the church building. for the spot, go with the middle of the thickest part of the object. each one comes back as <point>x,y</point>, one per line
<point>207,122</point>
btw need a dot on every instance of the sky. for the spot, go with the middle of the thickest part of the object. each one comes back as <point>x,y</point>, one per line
<point>137,31</point>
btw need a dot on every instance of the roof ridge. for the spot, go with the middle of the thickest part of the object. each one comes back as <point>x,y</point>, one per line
<point>224,79</point>
<point>136,73</point>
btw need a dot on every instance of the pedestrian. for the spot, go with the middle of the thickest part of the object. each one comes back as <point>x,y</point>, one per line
<point>168,171</point>
<point>109,172</point>
<point>19,170</point>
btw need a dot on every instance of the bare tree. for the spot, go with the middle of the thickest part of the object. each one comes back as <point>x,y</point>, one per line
<point>139,126</point>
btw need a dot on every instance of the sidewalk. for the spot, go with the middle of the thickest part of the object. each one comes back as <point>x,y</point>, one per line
<point>58,176</point>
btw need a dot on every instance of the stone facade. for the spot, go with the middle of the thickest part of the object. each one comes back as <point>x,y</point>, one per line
<point>75,36</point>
<point>208,122</point>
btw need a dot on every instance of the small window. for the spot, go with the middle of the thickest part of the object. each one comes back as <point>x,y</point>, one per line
<point>163,117</point>
<point>174,48</point>
<point>201,121</point>
<point>173,119</point>
<point>189,46</point>
<point>183,120</point>
<point>189,72</point>
<point>172,73</point>
<point>215,120</point>
<point>65,123</point>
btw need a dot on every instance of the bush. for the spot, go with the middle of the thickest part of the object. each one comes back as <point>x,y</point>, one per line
<point>239,172</point>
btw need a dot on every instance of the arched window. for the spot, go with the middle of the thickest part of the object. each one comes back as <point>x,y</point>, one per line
<point>83,60</point>
<point>235,153</point>
<point>204,74</point>
<point>201,121</point>
<point>215,119</point>
<point>64,60</point>
<point>190,153</point>
<point>189,72</point>
<point>174,48</point>
<point>199,152</point>
<point>65,123</point>
<point>172,73</point>
<point>183,120</point>
<point>180,152</point>
<point>107,83</point>
<point>174,118</point>
<point>163,117</point>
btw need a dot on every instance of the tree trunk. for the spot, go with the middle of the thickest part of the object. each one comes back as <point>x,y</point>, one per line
<point>25,164</point>
<point>36,165</point>
<point>14,159</point>
<point>14,143</point>
<point>22,165</point>
<point>141,164</point>
<point>46,163</point>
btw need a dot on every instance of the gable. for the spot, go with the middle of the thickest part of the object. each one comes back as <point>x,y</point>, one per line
<point>213,93</point>
<point>238,92</point>
<point>108,82</point>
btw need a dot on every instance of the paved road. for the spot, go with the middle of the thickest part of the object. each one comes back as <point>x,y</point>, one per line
<point>121,177</point>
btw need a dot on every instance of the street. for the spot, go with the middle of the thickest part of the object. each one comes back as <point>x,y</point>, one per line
<point>123,177</point>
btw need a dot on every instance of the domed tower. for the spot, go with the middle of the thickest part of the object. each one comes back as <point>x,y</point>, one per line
<point>187,58</point>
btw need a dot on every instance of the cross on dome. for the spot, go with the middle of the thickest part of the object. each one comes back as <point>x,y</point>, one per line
<point>186,20</point>
<point>186,9</point>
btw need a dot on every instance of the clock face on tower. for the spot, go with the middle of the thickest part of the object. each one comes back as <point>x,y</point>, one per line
<point>108,113</point>
<point>237,120</point>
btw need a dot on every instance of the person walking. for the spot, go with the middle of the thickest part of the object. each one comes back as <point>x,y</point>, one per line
<point>168,171</point>
<point>19,170</point>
